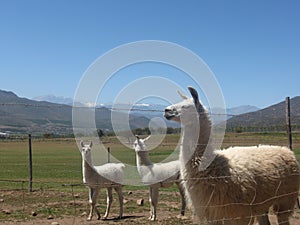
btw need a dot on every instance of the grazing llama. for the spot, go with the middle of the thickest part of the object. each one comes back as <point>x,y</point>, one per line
<point>239,183</point>
<point>157,175</point>
<point>107,176</point>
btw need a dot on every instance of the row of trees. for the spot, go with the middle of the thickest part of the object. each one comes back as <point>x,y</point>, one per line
<point>141,131</point>
<point>279,128</point>
<point>170,130</point>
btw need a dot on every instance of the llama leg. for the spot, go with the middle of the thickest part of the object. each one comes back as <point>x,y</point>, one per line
<point>183,202</point>
<point>91,191</point>
<point>263,220</point>
<point>283,217</point>
<point>93,194</point>
<point>120,195</point>
<point>216,222</point>
<point>150,201</point>
<point>109,200</point>
<point>284,209</point>
<point>242,221</point>
<point>153,202</point>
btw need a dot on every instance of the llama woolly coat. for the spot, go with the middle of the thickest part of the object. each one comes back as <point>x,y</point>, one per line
<point>243,181</point>
<point>235,185</point>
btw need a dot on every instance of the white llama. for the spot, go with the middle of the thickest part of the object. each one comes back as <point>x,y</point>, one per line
<point>240,183</point>
<point>107,176</point>
<point>157,175</point>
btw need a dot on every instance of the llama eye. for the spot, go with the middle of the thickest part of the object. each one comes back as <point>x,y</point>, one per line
<point>186,107</point>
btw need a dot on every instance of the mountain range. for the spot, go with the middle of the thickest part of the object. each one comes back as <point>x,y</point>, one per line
<point>27,115</point>
<point>143,107</point>
<point>54,99</point>
<point>272,117</point>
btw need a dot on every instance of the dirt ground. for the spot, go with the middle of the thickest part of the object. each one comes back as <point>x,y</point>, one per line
<point>136,219</point>
<point>60,208</point>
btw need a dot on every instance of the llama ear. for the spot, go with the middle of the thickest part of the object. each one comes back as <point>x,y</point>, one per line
<point>182,95</point>
<point>138,138</point>
<point>194,94</point>
<point>81,143</point>
<point>197,103</point>
<point>91,144</point>
<point>147,138</point>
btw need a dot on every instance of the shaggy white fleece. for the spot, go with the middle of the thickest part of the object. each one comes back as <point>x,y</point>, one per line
<point>237,184</point>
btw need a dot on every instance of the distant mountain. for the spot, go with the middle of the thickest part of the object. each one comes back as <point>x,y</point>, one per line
<point>157,110</point>
<point>272,116</point>
<point>54,99</point>
<point>25,115</point>
<point>218,116</point>
<point>242,109</point>
<point>149,111</point>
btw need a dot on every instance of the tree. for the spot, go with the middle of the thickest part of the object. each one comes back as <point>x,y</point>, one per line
<point>100,133</point>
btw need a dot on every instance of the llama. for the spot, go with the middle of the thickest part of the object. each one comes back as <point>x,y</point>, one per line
<point>157,175</point>
<point>239,183</point>
<point>107,176</point>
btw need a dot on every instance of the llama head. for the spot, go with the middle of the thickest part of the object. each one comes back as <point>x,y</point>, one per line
<point>139,144</point>
<point>86,151</point>
<point>186,111</point>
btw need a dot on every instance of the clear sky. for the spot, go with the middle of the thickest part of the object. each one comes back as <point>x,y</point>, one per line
<point>253,47</point>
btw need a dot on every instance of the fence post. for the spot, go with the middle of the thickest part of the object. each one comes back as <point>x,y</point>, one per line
<point>108,154</point>
<point>30,162</point>
<point>288,122</point>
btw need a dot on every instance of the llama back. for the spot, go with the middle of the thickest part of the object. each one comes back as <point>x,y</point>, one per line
<point>273,170</point>
<point>262,160</point>
<point>160,172</point>
<point>112,172</point>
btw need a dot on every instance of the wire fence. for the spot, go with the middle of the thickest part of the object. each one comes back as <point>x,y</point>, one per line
<point>48,199</point>
<point>68,204</point>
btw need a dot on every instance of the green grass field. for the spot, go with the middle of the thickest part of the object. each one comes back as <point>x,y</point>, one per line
<point>57,165</point>
<point>58,161</point>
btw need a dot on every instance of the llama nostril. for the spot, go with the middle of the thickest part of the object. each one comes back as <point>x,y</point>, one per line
<point>169,114</point>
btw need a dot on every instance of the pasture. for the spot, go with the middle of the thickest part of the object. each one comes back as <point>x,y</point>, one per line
<point>58,193</point>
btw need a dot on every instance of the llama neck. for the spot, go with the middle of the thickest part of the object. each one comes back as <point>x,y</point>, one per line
<point>195,140</point>
<point>87,170</point>
<point>142,158</point>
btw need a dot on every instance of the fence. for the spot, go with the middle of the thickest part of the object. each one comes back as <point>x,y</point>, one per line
<point>19,205</point>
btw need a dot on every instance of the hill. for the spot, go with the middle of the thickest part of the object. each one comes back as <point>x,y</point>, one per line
<point>149,110</point>
<point>54,99</point>
<point>24,115</point>
<point>242,109</point>
<point>272,117</point>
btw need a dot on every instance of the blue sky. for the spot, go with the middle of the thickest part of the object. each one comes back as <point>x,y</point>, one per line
<point>252,47</point>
